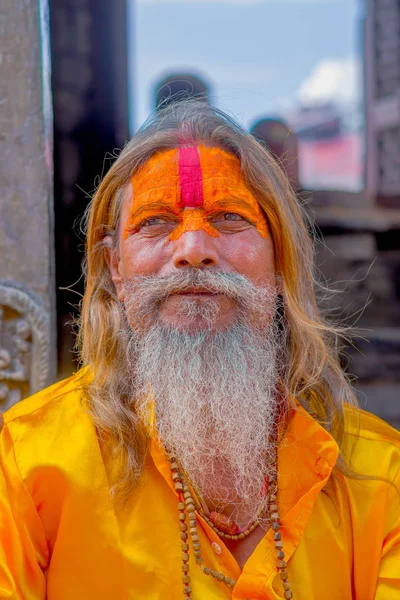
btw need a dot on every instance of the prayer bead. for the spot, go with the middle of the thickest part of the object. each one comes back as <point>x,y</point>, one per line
<point>206,570</point>
<point>277,536</point>
<point>272,497</point>
<point>235,537</point>
<point>280,554</point>
<point>178,486</point>
<point>185,557</point>
<point>186,579</point>
<point>192,523</point>
<point>281,564</point>
<point>278,545</point>
<point>221,577</point>
<point>273,508</point>
<point>193,530</point>
<point>214,573</point>
<point>189,500</point>
<point>286,585</point>
<point>185,568</point>
<point>199,561</point>
<point>181,506</point>
<point>176,476</point>
<point>196,546</point>
<point>197,553</point>
<point>187,589</point>
<point>174,466</point>
<point>276,525</point>
<point>182,516</point>
<point>182,526</point>
<point>195,538</point>
<point>190,508</point>
<point>288,595</point>
<point>275,516</point>
<point>184,536</point>
<point>283,575</point>
<point>184,547</point>
<point>241,536</point>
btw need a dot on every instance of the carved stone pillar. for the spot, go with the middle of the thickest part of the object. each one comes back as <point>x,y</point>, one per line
<point>27,294</point>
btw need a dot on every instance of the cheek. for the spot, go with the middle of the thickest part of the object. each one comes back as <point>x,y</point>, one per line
<point>142,257</point>
<point>252,256</point>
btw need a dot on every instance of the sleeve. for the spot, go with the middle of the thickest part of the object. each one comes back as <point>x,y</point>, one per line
<point>23,546</point>
<point>388,586</point>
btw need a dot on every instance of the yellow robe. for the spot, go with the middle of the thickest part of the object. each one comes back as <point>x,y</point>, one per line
<point>62,539</point>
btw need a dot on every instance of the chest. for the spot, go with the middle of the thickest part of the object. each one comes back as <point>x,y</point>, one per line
<point>137,555</point>
<point>243,549</point>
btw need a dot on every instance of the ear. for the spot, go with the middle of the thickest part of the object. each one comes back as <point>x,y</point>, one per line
<point>113,260</point>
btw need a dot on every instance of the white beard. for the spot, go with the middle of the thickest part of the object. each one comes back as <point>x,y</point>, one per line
<point>216,402</point>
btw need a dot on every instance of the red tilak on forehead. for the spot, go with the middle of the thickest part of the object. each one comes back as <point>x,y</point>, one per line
<point>190,178</point>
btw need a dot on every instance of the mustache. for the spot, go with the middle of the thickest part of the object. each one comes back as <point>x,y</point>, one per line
<point>158,288</point>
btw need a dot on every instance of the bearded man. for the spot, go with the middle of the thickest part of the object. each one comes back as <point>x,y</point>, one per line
<point>210,447</point>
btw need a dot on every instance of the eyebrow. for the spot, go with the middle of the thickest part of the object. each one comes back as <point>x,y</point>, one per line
<point>237,203</point>
<point>163,207</point>
<point>156,206</point>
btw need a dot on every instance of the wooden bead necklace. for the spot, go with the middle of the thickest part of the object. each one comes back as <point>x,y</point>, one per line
<point>187,516</point>
<point>224,526</point>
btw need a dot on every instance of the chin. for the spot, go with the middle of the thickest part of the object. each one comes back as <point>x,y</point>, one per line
<point>198,325</point>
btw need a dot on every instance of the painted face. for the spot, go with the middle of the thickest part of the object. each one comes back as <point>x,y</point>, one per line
<point>189,187</point>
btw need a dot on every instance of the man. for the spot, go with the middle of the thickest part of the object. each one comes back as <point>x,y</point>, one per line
<point>211,446</point>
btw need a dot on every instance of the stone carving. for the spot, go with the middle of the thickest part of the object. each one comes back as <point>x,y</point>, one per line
<point>24,344</point>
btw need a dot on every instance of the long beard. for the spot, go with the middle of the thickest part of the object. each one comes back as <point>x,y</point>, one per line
<point>214,395</point>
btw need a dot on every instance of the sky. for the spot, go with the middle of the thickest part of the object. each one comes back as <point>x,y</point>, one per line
<point>260,57</point>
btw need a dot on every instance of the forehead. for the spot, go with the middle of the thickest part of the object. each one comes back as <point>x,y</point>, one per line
<point>187,176</point>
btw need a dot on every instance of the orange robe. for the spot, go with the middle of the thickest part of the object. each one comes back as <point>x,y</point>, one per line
<point>62,539</point>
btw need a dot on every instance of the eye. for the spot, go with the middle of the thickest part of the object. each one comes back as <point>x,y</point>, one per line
<point>152,221</point>
<point>231,216</point>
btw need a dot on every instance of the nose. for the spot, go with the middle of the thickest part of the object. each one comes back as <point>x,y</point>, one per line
<point>195,249</point>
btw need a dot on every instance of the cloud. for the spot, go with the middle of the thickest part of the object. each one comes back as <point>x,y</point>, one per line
<point>332,80</point>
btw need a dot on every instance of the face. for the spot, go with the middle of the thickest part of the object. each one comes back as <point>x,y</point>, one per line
<point>189,208</point>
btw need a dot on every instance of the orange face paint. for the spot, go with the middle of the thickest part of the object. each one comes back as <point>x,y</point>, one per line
<point>191,186</point>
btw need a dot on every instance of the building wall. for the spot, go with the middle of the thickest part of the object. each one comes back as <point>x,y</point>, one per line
<point>90,91</point>
<point>382,95</point>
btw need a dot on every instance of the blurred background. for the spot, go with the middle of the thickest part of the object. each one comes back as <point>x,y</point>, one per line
<point>316,81</point>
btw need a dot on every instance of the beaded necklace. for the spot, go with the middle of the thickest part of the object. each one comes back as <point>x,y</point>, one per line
<point>187,520</point>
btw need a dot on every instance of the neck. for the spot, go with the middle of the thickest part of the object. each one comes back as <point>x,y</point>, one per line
<point>220,496</point>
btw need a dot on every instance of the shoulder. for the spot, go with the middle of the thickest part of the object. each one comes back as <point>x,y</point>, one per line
<point>373,444</point>
<point>50,454</point>
<point>63,395</point>
<point>52,427</point>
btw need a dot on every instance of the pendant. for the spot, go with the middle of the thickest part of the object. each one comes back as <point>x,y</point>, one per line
<point>224,523</point>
